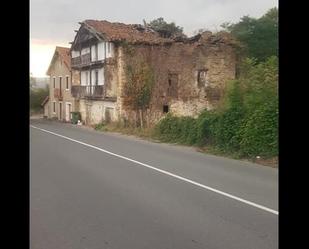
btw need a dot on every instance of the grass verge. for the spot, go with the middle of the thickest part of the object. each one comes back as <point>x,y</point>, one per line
<point>149,134</point>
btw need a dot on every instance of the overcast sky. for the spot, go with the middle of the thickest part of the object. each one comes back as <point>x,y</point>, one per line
<point>53,22</point>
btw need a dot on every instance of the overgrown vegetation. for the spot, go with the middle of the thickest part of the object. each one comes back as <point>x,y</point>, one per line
<point>165,29</point>
<point>259,35</point>
<point>140,81</point>
<point>247,123</point>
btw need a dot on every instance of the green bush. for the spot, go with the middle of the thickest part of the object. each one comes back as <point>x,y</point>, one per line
<point>205,127</point>
<point>177,130</point>
<point>75,117</point>
<point>100,127</point>
<point>247,121</point>
<point>259,132</point>
<point>36,98</point>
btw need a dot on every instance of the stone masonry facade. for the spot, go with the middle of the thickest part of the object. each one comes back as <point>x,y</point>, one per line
<point>189,74</point>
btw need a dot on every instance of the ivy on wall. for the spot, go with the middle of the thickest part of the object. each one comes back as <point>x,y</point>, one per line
<point>139,82</point>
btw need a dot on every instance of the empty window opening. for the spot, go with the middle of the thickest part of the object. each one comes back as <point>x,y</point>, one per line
<point>202,78</point>
<point>172,90</point>
<point>54,82</point>
<point>165,108</point>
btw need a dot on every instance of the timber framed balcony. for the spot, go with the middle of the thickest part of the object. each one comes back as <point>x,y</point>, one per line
<point>58,94</point>
<point>90,92</point>
<point>84,61</point>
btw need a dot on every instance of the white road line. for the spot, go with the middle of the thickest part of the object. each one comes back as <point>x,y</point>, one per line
<point>165,172</point>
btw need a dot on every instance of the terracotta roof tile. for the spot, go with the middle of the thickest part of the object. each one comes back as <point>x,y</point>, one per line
<point>133,33</point>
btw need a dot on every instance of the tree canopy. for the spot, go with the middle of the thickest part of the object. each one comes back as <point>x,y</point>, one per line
<point>259,35</point>
<point>165,29</point>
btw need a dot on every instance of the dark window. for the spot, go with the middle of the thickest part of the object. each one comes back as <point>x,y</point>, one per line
<point>201,78</point>
<point>172,90</point>
<point>60,82</point>
<point>54,106</point>
<point>67,82</point>
<point>54,82</point>
<point>96,77</point>
<point>165,108</point>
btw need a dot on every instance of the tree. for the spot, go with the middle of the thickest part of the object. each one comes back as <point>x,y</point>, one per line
<point>36,95</point>
<point>32,81</point>
<point>260,36</point>
<point>36,98</point>
<point>165,29</point>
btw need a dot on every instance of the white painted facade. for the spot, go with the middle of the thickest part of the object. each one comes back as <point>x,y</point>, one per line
<point>101,76</point>
<point>75,54</point>
<point>85,51</point>
<point>101,51</point>
<point>85,77</point>
<point>94,53</point>
<point>95,111</point>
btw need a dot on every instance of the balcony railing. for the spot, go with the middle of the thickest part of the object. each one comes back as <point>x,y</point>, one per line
<point>81,60</point>
<point>87,91</point>
<point>76,61</point>
<point>57,94</point>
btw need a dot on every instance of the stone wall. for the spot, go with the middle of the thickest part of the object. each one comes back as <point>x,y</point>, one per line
<point>95,111</point>
<point>60,69</point>
<point>189,77</point>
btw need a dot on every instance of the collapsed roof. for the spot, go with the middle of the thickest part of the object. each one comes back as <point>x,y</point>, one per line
<point>137,33</point>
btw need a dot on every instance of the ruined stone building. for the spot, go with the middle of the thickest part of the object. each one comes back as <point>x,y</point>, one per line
<point>60,102</point>
<point>126,72</point>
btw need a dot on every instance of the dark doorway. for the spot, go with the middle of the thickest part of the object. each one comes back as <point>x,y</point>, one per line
<point>165,108</point>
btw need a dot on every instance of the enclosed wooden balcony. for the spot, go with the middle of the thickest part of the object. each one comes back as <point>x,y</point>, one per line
<point>82,60</point>
<point>91,92</point>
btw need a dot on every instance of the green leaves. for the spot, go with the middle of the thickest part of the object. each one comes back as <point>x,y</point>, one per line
<point>247,124</point>
<point>36,98</point>
<point>139,86</point>
<point>164,28</point>
<point>260,36</point>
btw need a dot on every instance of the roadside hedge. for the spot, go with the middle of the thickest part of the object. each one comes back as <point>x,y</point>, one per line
<point>246,123</point>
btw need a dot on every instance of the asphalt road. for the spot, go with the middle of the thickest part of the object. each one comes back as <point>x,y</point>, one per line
<point>85,198</point>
